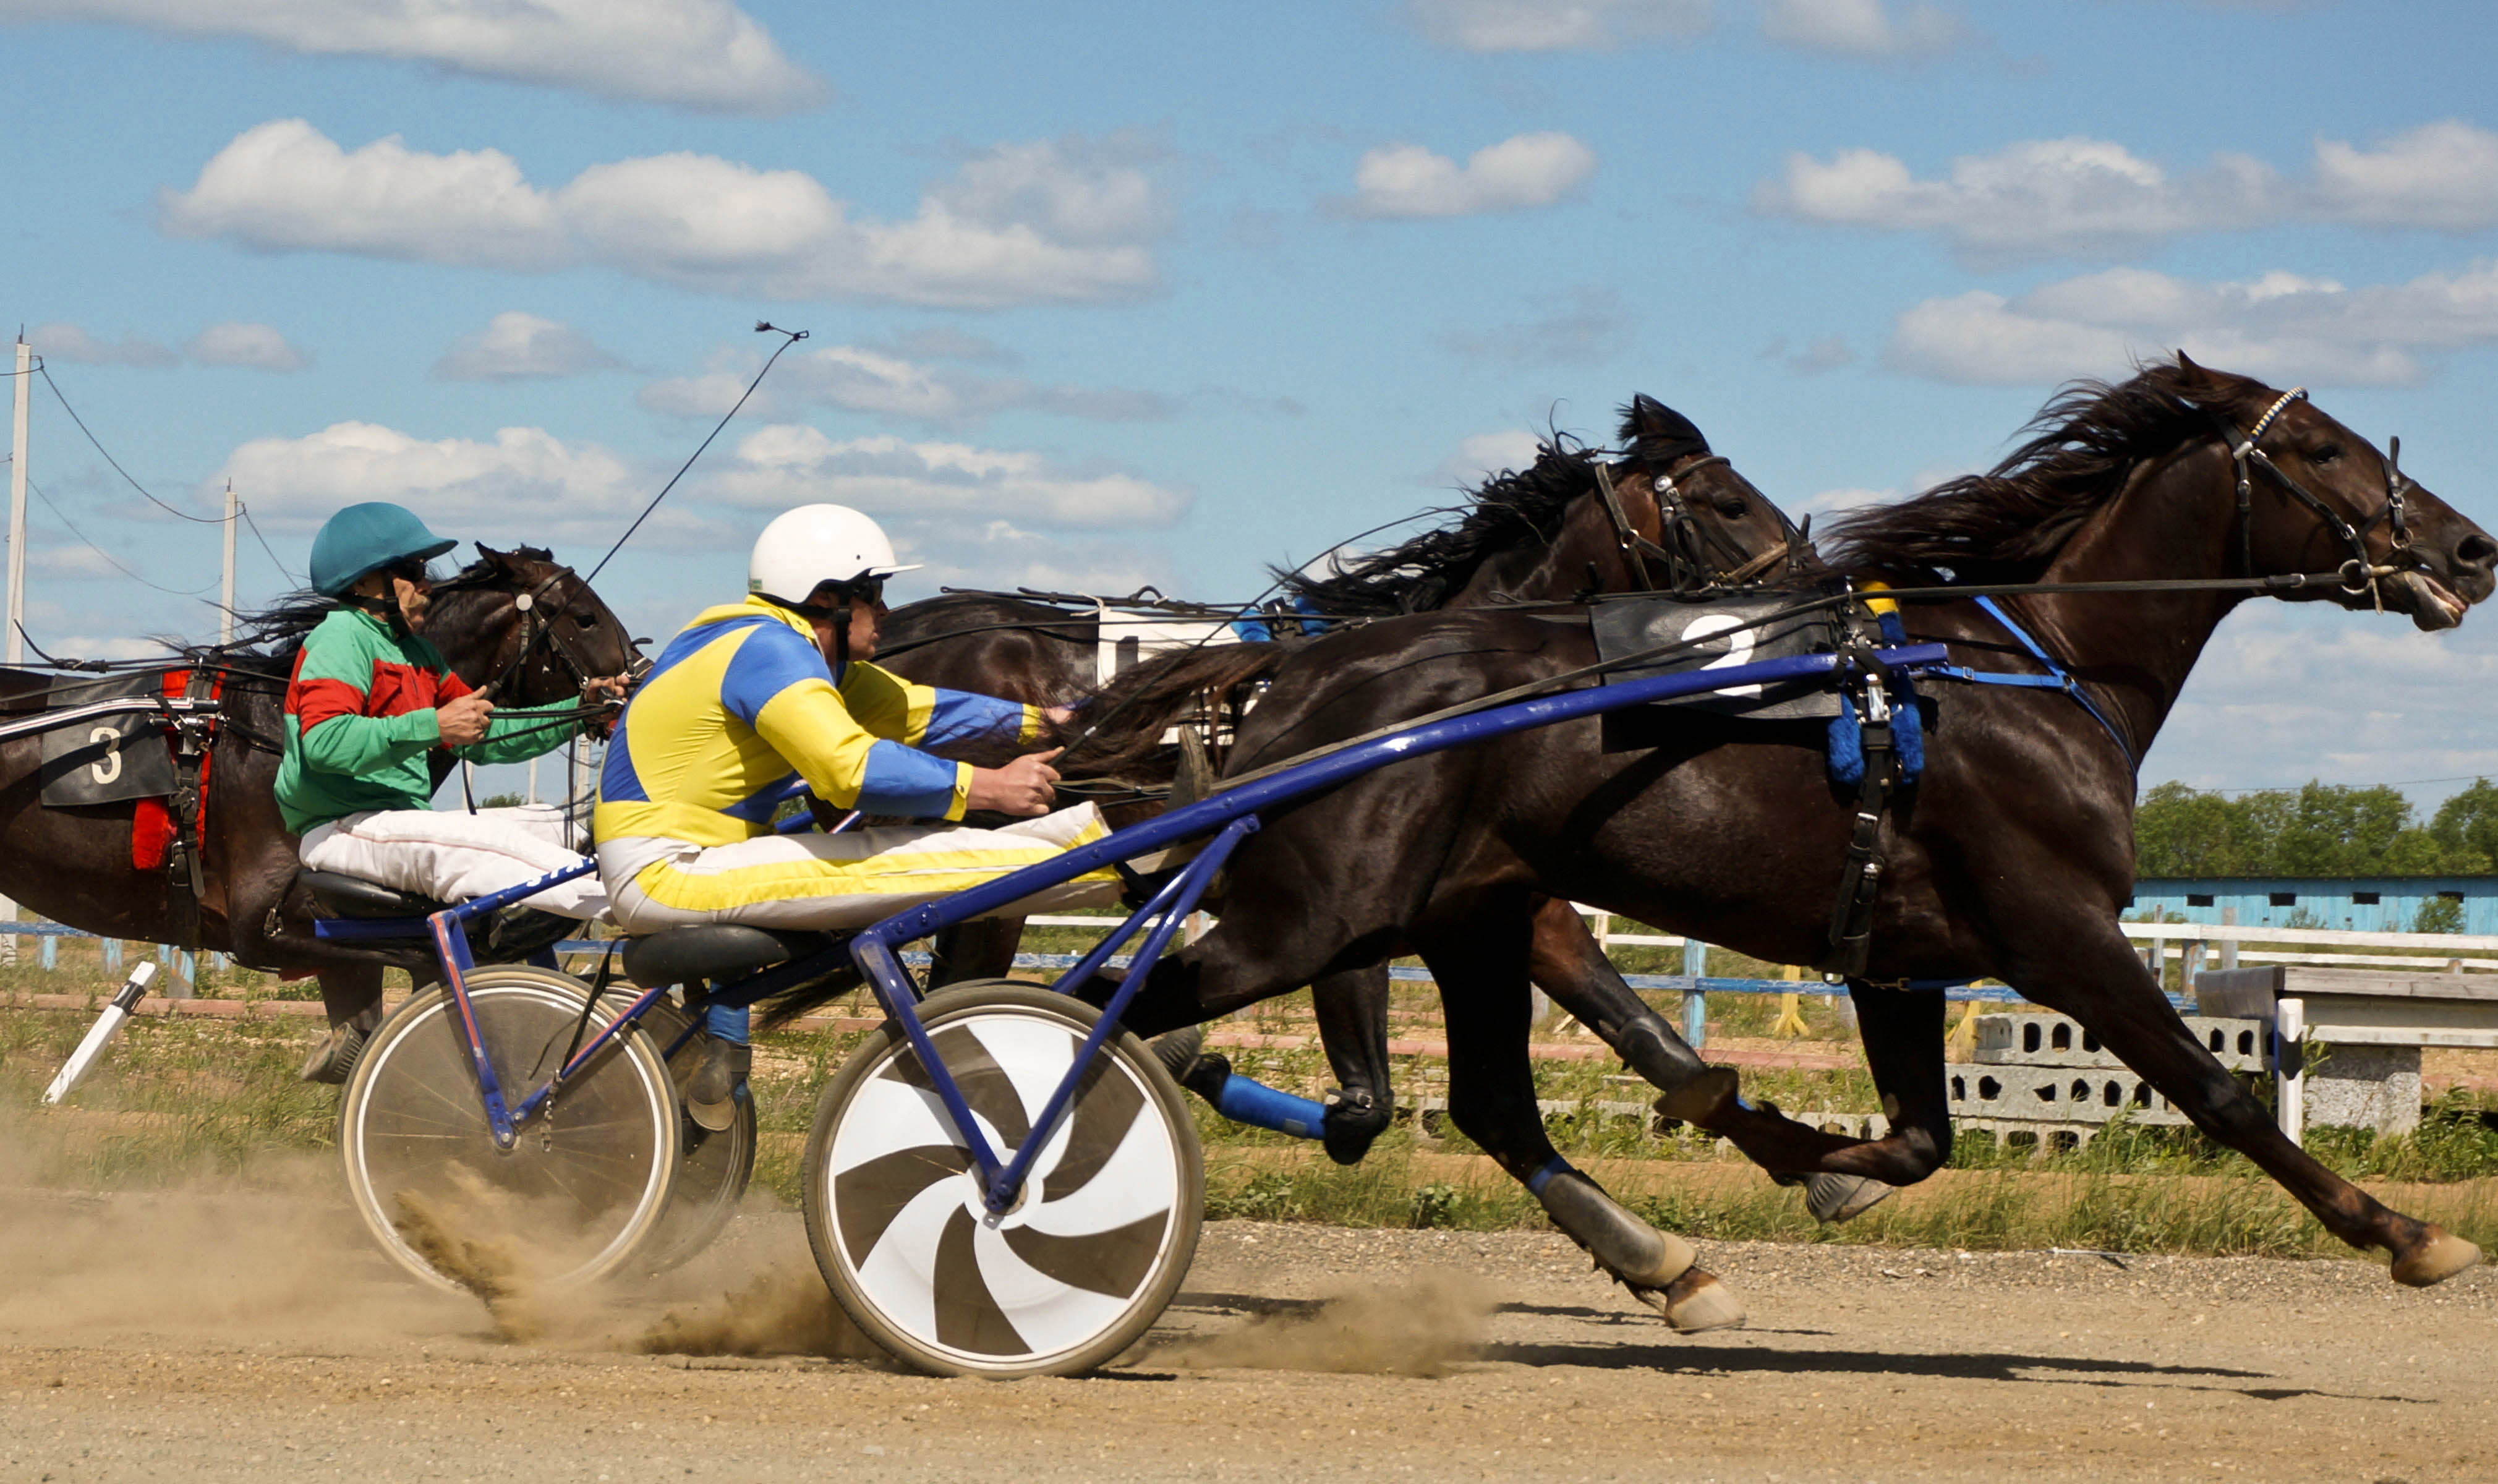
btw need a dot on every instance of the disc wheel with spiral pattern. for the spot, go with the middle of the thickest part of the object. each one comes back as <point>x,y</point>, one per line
<point>1095,1246</point>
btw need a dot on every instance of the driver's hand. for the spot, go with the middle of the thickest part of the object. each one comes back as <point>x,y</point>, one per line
<point>614,688</point>
<point>463,723</point>
<point>1059,716</point>
<point>1023,787</point>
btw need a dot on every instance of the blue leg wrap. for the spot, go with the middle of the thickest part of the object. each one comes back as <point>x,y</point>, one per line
<point>1245,1099</point>
<point>728,1023</point>
<point>1543,1177</point>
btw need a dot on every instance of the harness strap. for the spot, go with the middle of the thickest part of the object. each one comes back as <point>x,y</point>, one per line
<point>2057,678</point>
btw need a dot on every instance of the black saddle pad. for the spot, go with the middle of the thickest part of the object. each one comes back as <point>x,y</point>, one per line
<point>353,896</point>
<point>683,955</point>
<point>106,758</point>
<point>1725,633</point>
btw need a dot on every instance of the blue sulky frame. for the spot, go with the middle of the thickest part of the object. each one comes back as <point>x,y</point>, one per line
<point>1228,817</point>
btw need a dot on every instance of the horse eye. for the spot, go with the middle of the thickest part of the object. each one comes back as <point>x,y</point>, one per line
<point>1732,509</point>
<point>2326,453</point>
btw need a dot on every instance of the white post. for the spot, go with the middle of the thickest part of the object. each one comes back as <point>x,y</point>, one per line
<point>16,644</point>
<point>17,649</point>
<point>225,591</point>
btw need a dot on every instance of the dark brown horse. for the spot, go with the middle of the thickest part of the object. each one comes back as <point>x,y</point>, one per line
<point>75,865</point>
<point>1679,517</point>
<point>2010,860</point>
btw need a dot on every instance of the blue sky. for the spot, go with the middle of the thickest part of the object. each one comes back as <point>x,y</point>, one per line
<point>1162,293</point>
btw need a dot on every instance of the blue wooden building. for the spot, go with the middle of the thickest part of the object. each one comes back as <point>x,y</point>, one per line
<point>2368,904</point>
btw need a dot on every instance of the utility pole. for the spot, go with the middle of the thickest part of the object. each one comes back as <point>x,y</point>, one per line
<point>17,649</point>
<point>225,593</point>
<point>17,645</point>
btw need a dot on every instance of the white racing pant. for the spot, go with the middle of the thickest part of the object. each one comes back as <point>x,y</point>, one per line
<point>456,856</point>
<point>848,880</point>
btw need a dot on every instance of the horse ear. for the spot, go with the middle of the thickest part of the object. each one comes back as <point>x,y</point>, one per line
<point>493,557</point>
<point>2187,365</point>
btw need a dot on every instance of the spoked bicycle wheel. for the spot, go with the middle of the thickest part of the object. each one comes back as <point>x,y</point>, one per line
<point>713,1168</point>
<point>1089,1256</point>
<point>570,1201</point>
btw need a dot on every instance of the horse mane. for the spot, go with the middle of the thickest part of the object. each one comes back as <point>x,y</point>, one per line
<point>2008,524</point>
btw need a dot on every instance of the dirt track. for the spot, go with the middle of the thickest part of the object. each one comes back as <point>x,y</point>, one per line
<point>251,1338</point>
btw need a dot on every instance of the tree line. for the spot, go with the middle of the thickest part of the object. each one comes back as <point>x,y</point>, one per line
<point>2323,830</point>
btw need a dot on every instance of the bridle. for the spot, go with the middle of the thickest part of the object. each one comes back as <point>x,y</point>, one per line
<point>1695,557</point>
<point>537,625</point>
<point>2358,573</point>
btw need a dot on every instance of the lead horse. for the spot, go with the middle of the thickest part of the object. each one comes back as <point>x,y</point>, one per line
<point>2011,858</point>
<point>515,618</point>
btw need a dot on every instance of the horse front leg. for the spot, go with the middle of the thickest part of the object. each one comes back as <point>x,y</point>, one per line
<point>2099,982</point>
<point>1903,1031</point>
<point>1479,957</point>
<point>1569,964</point>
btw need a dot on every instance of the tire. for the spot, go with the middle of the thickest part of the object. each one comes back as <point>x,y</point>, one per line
<point>571,1201</point>
<point>1080,1269</point>
<point>713,1169</point>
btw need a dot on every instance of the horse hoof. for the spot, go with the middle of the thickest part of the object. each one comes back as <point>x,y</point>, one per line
<point>1696,1302</point>
<point>1700,1098</point>
<point>1835,1198</point>
<point>1178,1051</point>
<point>1354,1121</point>
<point>2440,1256</point>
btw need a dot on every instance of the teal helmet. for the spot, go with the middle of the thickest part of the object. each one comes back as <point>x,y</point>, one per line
<point>362,539</point>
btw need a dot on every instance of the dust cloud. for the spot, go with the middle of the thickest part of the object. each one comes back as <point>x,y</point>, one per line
<point>1426,1327</point>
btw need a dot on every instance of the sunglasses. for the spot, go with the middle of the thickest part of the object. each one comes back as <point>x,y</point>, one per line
<point>410,571</point>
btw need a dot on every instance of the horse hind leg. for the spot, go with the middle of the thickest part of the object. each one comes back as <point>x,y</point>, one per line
<point>352,995</point>
<point>1353,1029</point>
<point>1481,972</point>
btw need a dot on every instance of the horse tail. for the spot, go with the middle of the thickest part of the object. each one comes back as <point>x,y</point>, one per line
<point>1123,724</point>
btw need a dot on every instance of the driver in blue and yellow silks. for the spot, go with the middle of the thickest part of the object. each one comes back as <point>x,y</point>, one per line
<point>753,696</point>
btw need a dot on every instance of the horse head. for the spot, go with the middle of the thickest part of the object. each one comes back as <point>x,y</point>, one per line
<point>2313,496</point>
<point>529,627</point>
<point>1705,525</point>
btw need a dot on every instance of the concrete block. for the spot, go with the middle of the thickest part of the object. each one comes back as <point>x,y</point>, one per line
<point>2043,1039</point>
<point>2053,1094</point>
<point>2366,1086</point>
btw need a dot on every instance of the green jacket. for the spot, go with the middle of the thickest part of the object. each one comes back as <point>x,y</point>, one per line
<point>359,723</point>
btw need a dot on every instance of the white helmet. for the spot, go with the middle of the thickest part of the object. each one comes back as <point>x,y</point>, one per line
<point>815,544</point>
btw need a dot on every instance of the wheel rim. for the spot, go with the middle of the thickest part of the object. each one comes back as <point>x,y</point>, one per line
<point>1076,1256</point>
<point>567,1203</point>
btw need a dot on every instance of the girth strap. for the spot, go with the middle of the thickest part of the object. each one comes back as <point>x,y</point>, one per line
<point>2057,678</point>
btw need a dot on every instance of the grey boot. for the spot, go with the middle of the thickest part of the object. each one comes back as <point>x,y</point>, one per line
<point>335,1059</point>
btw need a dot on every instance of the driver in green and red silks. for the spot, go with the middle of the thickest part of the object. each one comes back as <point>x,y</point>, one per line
<point>369,703</point>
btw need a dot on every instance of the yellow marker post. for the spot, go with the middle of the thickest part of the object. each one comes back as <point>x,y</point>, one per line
<point>1790,1008</point>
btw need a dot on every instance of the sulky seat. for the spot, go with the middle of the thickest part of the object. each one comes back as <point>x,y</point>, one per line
<point>353,896</point>
<point>715,950</point>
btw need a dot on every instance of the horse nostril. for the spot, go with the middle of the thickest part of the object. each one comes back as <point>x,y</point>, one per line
<point>2478,549</point>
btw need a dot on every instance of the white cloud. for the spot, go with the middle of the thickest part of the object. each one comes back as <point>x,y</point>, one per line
<point>2442,175</point>
<point>1555,25</point>
<point>517,346</point>
<point>1045,221</point>
<point>284,186</point>
<point>704,55</point>
<point>524,484</point>
<point>72,345</point>
<point>1580,327</point>
<point>1528,170</point>
<point>863,378</point>
<point>2081,197</point>
<point>2280,327</point>
<point>244,344</point>
<point>1482,454</point>
<point>82,560</point>
<point>2287,693</point>
<point>1863,29</point>
<point>792,464</point>
<point>1832,501</point>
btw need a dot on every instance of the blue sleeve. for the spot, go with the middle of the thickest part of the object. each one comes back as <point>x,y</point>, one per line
<point>905,781</point>
<point>960,716</point>
<point>770,660</point>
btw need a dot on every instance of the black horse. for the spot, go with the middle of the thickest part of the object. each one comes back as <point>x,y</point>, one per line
<point>2010,860</point>
<point>1670,515</point>
<point>75,864</point>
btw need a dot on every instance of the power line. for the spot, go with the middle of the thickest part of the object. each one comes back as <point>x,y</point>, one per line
<point>205,520</point>
<point>106,555</point>
<point>289,573</point>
